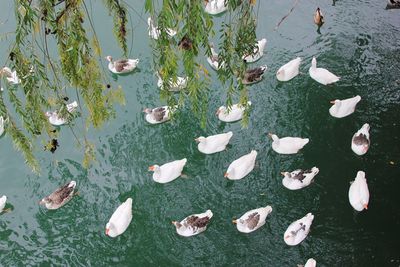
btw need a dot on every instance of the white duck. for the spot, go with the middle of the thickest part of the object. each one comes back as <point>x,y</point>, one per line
<point>168,172</point>
<point>360,141</point>
<point>258,52</point>
<point>122,66</point>
<point>233,114</point>
<point>322,75</point>
<point>214,59</point>
<point>11,76</point>
<point>174,86</point>
<point>252,220</point>
<point>60,197</point>
<point>242,166</point>
<point>1,125</point>
<point>289,70</point>
<point>299,179</point>
<point>214,7</point>
<point>120,219</point>
<point>57,120</point>
<point>193,224</point>
<point>345,107</point>
<point>359,193</point>
<point>3,201</point>
<point>287,145</point>
<point>298,230</point>
<point>213,143</point>
<point>310,263</point>
<point>154,32</point>
<point>158,115</point>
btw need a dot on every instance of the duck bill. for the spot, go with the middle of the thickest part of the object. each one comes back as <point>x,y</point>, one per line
<point>365,206</point>
<point>283,173</point>
<point>107,231</point>
<point>173,222</point>
<point>234,221</point>
<point>197,140</point>
<point>151,168</point>
<point>226,175</point>
<point>332,102</point>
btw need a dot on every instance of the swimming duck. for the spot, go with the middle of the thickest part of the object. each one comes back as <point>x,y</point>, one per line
<point>310,263</point>
<point>154,32</point>
<point>11,76</point>
<point>185,43</point>
<point>298,230</point>
<point>358,192</point>
<point>299,179</point>
<point>214,7</point>
<point>360,141</point>
<point>60,197</point>
<point>214,59</point>
<point>120,219</point>
<point>242,166</point>
<point>254,75</point>
<point>1,125</point>
<point>122,66</point>
<point>213,143</point>
<point>322,75</point>
<point>345,107</point>
<point>57,120</point>
<point>233,114</point>
<point>174,86</point>
<point>257,53</point>
<point>158,115</point>
<point>252,220</point>
<point>289,70</point>
<point>168,172</point>
<point>3,201</point>
<point>318,17</point>
<point>287,145</point>
<point>193,224</point>
<point>393,4</point>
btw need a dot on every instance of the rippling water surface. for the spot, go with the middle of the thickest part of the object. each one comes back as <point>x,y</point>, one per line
<point>359,42</point>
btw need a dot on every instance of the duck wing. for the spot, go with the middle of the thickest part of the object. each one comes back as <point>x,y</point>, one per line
<point>252,220</point>
<point>360,140</point>
<point>61,194</point>
<point>121,64</point>
<point>159,113</point>
<point>299,175</point>
<point>197,222</point>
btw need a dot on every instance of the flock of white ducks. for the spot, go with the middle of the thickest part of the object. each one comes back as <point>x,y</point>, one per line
<point>239,168</point>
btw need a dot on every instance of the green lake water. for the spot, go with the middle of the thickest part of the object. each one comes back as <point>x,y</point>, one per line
<point>359,42</point>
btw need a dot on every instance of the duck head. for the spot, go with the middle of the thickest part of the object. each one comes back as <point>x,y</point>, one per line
<point>109,58</point>
<point>335,102</point>
<point>200,139</point>
<point>314,63</point>
<point>154,168</point>
<point>147,110</point>
<point>46,201</point>
<point>274,137</point>
<point>219,110</point>
<point>110,229</point>
<point>177,224</point>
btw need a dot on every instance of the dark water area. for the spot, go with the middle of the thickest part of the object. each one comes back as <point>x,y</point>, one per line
<point>359,42</point>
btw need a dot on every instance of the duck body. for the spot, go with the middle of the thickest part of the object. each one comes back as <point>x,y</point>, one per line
<point>11,76</point>
<point>322,75</point>
<point>298,230</point>
<point>215,7</point>
<point>213,143</point>
<point>310,263</point>
<point>193,224</point>
<point>242,166</point>
<point>3,201</point>
<point>122,66</point>
<point>253,219</point>
<point>289,70</point>
<point>360,141</point>
<point>158,115</point>
<point>213,60</point>
<point>174,86</point>
<point>318,17</point>
<point>120,219</point>
<point>345,107</point>
<point>391,4</point>
<point>359,193</point>
<point>288,145</point>
<point>257,53</point>
<point>55,119</point>
<point>299,179</point>
<point>154,32</point>
<point>1,125</point>
<point>234,114</point>
<point>168,172</point>
<point>60,197</point>
<point>254,75</point>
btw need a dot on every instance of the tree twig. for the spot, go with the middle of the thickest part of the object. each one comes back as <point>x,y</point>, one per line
<point>287,15</point>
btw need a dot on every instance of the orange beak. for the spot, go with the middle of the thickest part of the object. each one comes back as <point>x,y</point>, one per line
<point>283,173</point>
<point>107,231</point>
<point>151,168</point>
<point>365,206</point>
<point>173,222</point>
<point>286,237</point>
<point>226,175</point>
<point>234,221</point>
